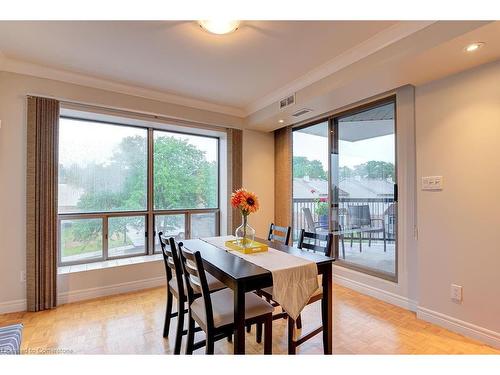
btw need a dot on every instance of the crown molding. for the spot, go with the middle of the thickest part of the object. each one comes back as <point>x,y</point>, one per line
<point>368,47</point>
<point>11,65</point>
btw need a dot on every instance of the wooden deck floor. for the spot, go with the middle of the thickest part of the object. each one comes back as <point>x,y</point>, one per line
<point>132,324</point>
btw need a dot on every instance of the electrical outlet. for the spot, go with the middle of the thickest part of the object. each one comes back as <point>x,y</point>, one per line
<point>23,276</point>
<point>456,293</point>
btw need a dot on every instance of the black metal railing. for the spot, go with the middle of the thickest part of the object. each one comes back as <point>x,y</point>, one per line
<point>380,208</point>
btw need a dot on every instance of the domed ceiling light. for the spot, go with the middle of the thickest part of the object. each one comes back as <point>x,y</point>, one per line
<point>219,26</point>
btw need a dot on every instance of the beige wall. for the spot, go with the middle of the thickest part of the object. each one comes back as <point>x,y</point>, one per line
<point>258,176</point>
<point>13,91</point>
<point>458,137</point>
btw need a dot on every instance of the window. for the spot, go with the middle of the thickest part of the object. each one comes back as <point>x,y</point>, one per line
<point>113,191</point>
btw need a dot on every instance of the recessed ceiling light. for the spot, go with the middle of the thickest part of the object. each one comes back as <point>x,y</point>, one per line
<point>473,46</point>
<point>219,26</point>
<point>281,121</point>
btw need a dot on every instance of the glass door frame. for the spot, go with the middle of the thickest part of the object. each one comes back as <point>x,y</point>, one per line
<point>333,203</point>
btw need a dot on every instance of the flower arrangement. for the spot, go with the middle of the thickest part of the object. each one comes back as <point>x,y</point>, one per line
<point>247,203</point>
<point>321,205</point>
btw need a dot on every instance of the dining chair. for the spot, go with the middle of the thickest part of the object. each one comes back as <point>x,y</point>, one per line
<point>214,312</point>
<point>176,288</point>
<point>278,233</point>
<point>311,242</point>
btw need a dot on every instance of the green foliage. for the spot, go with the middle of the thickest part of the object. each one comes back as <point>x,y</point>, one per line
<point>302,167</point>
<point>373,170</point>
<point>183,178</point>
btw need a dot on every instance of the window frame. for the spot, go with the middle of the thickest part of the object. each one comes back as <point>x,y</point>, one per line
<point>149,213</point>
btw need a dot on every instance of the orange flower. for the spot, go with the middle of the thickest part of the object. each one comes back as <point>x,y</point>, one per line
<point>246,201</point>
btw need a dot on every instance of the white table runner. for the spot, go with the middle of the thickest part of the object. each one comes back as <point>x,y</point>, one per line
<point>295,279</point>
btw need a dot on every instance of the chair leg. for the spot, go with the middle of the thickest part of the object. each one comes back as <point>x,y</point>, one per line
<point>180,327</point>
<point>299,322</point>
<point>369,239</point>
<point>385,240</point>
<point>168,313</point>
<point>343,246</point>
<point>259,333</point>
<point>360,241</point>
<point>291,343</point>
<point>190,335</point>
<point>268,335</point>
<point>230,338</point>
<point>249,328</point>
<point>209,349</point>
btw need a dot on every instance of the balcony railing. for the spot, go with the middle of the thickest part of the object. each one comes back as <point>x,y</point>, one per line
<point>380,208</point>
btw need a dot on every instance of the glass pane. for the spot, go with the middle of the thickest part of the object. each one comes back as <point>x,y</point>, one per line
<point>81,239</point>
<point>364,175</point>
<point>102,167</point>
<point>185,171</point>
<point>203,225</point>
<point>171,226</point>
<point>126,236</point>
<point>310,179</point>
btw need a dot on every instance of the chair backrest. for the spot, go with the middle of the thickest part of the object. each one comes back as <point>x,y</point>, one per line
<point>196,281</point>
<point>359,216</point>
<point>171,260</point>
<point>280,234</point>
<point>316,238</point>
<point>309,219</point>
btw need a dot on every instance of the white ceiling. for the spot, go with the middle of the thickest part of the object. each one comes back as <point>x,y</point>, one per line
<point>180,58</point>
<point>327,64</point>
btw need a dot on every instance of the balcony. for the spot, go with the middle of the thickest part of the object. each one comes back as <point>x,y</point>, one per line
<point>361,247</point>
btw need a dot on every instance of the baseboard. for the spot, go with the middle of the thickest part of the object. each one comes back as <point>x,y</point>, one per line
<point>13,306</point>
<point>129,286</point>
<point>456,325</point>
<point>84,294</point>
<point>383,295</point>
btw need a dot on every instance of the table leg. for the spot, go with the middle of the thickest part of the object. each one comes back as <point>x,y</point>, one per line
<point>327,311</point>
<point>239,321</point>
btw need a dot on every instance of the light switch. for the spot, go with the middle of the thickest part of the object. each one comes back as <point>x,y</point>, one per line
<point>432,183</point>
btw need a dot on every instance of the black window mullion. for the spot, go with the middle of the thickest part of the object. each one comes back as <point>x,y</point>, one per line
<point>105,237</point>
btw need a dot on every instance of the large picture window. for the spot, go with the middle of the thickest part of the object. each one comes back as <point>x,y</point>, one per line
<point>119,183</point>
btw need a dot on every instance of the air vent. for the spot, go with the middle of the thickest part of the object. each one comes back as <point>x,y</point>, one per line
<point>301,112</point>
<point>288,101</point>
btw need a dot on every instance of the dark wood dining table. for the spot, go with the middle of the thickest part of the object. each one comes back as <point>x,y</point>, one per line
<point>243,276</point>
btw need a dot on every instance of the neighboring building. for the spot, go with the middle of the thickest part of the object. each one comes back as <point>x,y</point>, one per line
<point>68,197</point>
<point>352,187</point>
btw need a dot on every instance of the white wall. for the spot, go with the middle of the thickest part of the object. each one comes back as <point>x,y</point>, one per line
<point>258,176</point>
<point>13,91</point>
<point>458,137</point>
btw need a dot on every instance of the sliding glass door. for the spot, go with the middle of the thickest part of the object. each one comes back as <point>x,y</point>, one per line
<point>344,182</point>
<point>364,189</point>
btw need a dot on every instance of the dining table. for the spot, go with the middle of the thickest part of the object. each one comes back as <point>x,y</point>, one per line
<point>242,276</point>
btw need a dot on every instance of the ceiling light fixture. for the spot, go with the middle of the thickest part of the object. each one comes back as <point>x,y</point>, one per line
<point>281,121</point>
<point>219,26</point>
<point>473,46</point>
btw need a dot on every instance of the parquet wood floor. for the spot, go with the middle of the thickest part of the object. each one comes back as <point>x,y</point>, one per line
<point>132,323</point>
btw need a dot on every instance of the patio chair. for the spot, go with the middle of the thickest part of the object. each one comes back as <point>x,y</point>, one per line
<point>312,225</point>
<point>360,218</point>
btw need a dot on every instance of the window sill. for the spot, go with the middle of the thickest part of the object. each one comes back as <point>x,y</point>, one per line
<point>108,264</point>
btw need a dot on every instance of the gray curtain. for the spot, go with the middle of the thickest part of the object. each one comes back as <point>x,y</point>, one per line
<point>41,203</point>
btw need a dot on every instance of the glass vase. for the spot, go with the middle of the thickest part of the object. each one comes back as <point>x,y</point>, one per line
<point>245,234</point>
